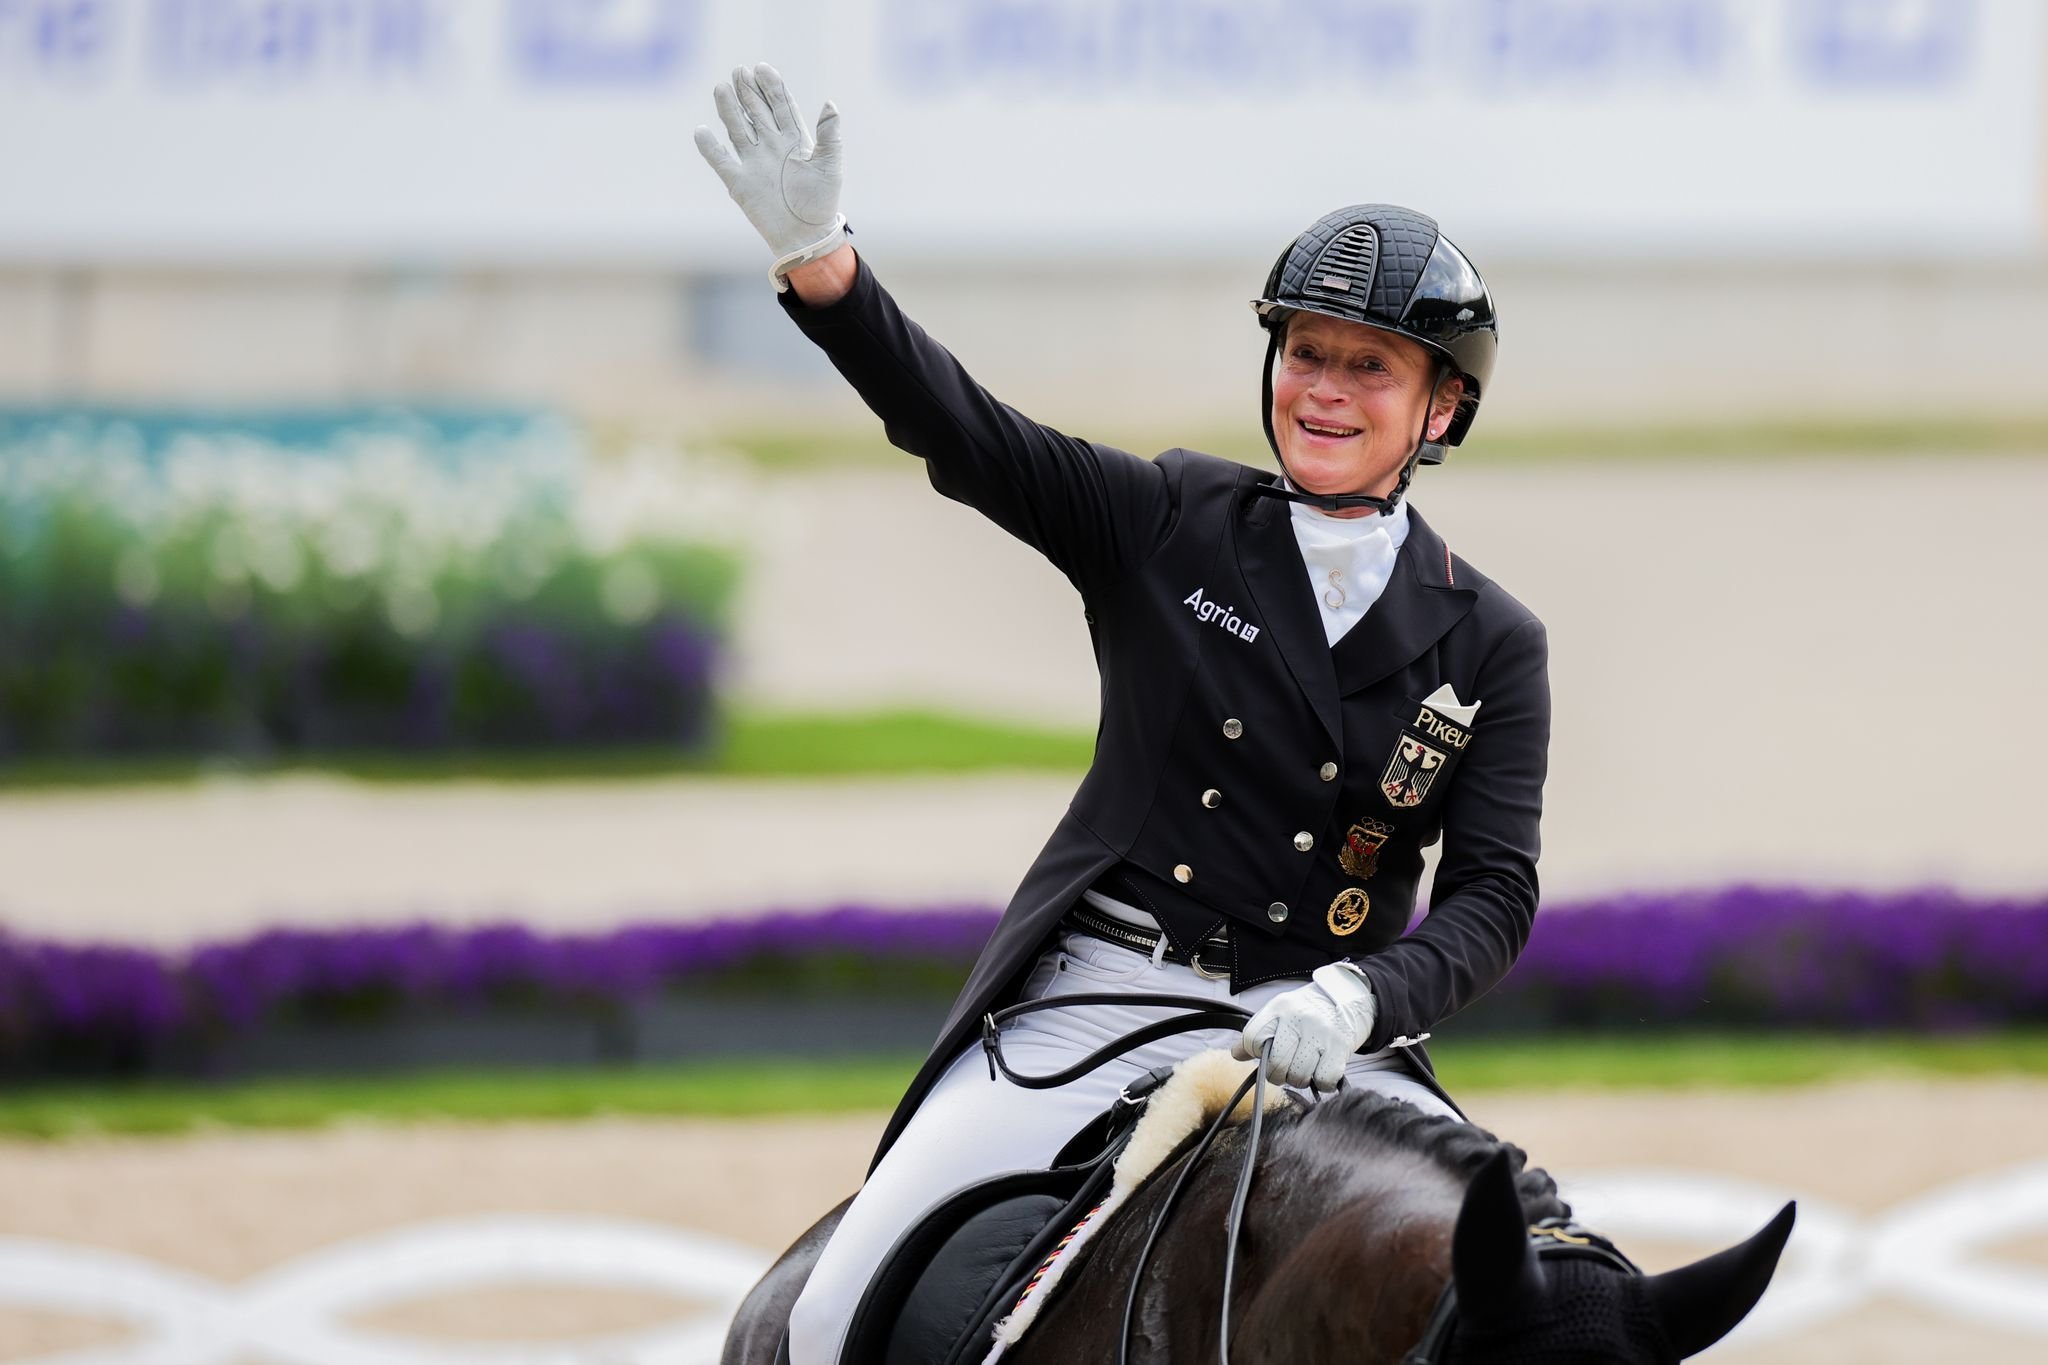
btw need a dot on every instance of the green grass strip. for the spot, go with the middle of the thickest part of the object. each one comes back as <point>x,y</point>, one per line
<point>761,744</point>
<point>902,741</point>
<point>720,1090</point>
<point>856,1085</point>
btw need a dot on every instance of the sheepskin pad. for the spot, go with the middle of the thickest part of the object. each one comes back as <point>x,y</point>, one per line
<point>1191,1098</point>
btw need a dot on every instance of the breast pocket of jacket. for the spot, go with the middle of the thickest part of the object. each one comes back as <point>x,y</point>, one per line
<point>1427,750</point>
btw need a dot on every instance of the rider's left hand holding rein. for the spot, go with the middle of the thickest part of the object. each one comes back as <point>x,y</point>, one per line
<point>1314,1028</point>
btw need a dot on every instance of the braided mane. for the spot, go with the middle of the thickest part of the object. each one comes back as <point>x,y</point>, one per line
<point>1367,1117</point>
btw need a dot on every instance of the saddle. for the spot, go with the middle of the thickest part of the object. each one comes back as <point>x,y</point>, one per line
<point>961,1267</point>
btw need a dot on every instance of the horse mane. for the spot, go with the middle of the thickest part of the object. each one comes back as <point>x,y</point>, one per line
<point>1459,1148</point>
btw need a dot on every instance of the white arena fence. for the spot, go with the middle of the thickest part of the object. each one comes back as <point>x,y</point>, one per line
<point>1929,1251</point>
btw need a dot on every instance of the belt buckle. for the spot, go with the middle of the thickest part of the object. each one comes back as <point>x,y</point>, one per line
<point>1204,970</point>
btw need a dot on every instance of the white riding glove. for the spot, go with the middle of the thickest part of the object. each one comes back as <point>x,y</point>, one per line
<point>1314,1028</point>
<point>786,183</point>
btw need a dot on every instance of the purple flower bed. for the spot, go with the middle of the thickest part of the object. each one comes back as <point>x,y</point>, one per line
<point>95,1008</point>
<point>1745,957</point>
<point>1787,958</point>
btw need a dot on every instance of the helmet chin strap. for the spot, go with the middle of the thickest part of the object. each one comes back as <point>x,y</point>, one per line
<point>1345,502</point>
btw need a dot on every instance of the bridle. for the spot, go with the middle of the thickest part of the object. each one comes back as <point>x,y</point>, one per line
<point>1553,1239</point>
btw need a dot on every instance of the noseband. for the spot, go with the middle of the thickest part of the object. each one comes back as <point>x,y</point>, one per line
<point>1553,1239</point>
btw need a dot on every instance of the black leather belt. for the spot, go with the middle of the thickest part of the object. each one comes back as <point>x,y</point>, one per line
<point>1209,953</point>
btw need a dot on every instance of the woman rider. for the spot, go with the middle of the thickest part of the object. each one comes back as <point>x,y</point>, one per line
<point>1302,687</point>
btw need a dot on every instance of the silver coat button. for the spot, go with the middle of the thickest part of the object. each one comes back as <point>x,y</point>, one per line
<point>1304,841</point>
<point>1328,772</point>
<point>1232,728</point>
<point>1277,913</point>
<point>1212,798</point>
<point>1183,873</point>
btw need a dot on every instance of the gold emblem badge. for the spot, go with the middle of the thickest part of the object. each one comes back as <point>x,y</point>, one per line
<point>1348,911</point>
<point>1360,855</point>
<point>1410,771</point>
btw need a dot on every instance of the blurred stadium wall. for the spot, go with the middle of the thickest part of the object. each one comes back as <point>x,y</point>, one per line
<point>1691,209</point>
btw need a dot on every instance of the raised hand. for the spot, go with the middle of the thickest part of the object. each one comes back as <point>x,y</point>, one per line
<point>783,179</point>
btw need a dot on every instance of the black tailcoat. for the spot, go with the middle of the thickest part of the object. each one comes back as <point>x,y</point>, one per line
<point>1245,770</point>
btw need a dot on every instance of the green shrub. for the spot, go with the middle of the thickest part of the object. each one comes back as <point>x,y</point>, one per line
<point>390,581</point>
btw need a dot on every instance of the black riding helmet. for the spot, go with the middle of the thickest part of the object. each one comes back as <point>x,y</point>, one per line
<point>1390,268</point>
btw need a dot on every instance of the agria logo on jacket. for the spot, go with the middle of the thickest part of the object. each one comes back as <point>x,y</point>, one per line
<point>1216,614</point>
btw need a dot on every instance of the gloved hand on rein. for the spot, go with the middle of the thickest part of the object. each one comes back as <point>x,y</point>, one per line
<point>784,181</point>
<point>1314,1028</point>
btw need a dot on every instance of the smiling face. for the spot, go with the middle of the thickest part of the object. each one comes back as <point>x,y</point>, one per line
<point>1348,402</point>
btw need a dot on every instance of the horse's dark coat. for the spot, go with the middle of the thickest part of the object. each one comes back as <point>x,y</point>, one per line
<point>1360,1206</point>
<point>1346,1242</point>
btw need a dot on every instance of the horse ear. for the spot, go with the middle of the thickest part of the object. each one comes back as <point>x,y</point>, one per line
<point>1701,1303</point>
<point>1492,1263</point>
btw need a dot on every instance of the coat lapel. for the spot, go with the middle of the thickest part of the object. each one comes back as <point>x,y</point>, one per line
<point>1271,564</point>
<point>1421,603</point>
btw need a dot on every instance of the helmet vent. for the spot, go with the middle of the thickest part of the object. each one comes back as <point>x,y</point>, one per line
<point>1352,255</point>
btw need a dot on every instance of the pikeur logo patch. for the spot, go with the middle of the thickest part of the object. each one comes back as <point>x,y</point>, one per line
<point>1216,614</point>
<point>1436,727</point>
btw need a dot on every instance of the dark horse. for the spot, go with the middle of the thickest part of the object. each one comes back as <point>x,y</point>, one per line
<point>1365,1214</point>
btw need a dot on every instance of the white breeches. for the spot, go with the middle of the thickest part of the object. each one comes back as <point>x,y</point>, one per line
<point>970,1127</point>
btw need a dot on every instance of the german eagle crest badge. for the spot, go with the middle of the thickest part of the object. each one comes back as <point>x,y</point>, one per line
<point>1410,771</point>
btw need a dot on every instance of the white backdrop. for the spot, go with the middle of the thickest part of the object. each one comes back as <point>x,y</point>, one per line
<point>534,130</point>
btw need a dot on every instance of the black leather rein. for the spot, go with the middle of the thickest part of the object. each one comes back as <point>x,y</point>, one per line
<point>1200,1014</point>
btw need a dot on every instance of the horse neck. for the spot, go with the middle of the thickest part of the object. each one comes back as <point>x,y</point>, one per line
<point>1339,1250</point>
<point>1357,1275</point>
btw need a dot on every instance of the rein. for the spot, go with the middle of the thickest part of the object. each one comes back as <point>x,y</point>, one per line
<point>1200,1014</point>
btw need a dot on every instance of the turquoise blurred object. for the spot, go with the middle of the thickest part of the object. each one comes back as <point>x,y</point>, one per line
<point>269,584</point>
<point>150,431</point>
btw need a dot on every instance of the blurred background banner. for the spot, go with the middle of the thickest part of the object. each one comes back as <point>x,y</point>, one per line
<point>543,130</point>
<point>1693,211</point>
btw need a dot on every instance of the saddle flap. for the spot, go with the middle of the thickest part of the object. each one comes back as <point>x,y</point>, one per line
<point>960,1267</point>
<point>977,1268</point>
<point>933,1283</point>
